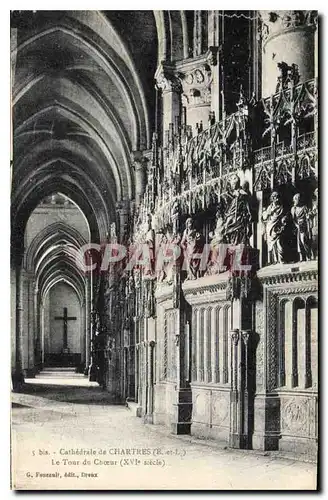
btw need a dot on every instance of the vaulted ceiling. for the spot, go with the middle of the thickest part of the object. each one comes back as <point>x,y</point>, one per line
<point>82,95</point>
<point>83,99</point>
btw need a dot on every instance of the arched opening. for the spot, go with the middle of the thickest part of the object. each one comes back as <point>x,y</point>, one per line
<point>80,107</point>
<point>63,342</point>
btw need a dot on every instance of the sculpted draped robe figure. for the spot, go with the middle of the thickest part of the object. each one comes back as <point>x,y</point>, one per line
<point>301,219</point>
<point>192,243</point>
<point>218,247</point>
<point>275,219</point>
<point>150,241</point>
<point>314,214</point>
<point>236,214</point>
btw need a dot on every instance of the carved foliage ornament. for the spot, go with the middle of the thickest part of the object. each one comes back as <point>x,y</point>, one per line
<point>167,80</point>
<point>276,21</point>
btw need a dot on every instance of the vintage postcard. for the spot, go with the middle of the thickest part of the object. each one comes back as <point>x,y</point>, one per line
<point>164,250</point>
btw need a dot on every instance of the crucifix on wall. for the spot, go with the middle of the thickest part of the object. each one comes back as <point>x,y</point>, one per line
<point>65,319</point>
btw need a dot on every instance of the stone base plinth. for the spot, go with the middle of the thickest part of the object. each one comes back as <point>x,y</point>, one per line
<point>214,432</point>
<point>180,428</point>
<point>30,372</point>
<point>17,378</point>
<point>266,422</point>
<point>267,442</point>
<point>238,441</point>
<point>181,417</point>
<point>135,408</point>
<point>299,446</point>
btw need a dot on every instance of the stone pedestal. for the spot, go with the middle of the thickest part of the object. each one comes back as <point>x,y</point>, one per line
<point>267,422</point>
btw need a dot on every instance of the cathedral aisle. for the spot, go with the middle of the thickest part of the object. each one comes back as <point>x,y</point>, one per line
<point>60,414</point>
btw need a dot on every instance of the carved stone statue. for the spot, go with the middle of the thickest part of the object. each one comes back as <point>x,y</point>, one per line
<point>314,214</point>
<point>174,214</point>
<point>150,241</point>
<point>161,264</point>
<point>289,75</point>
<point>275,220</point>
<point>301,219</point>
<point>192,243</point>
<point>235,211</point>
<point>149,298</point>
<point>216,238</point>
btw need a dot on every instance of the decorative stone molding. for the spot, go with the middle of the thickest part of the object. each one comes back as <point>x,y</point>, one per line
<point>196,84</point>
<point>272,278</point>
<point>206,290</point>
<point>275,22</point>
<point>278,274</point>
<point>212,56</point>
<point>167,79</point>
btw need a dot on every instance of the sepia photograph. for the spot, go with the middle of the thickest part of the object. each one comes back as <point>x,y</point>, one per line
<point>164,215</point>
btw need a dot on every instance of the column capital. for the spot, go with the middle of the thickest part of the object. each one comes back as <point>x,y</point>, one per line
<point>245,334</point>
<point>212,55</point>
<point>234,336</point>
<point>167,79</point>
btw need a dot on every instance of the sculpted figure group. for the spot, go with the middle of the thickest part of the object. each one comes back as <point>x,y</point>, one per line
<point>234,221</point>
<point>304,223</point>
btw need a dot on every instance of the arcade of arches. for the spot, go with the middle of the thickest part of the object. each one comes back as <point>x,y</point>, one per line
<point>192,128</point>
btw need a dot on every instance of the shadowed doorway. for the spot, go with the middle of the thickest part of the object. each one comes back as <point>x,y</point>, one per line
<point>63,327</point>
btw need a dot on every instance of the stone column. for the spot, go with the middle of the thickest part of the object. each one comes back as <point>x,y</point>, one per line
<point>37,336</point>
<point>18,377</point>
<point>123,212</point>
<point>88,325</point>
<point>235,424</point>
<point>150,382</point>
<point>168,82</point>
<point>182,408</point>
<point>287,36</point>
<point>136,374</point>
<point>240,430</point>
<point>241,292</point>
<point>266,431</point>
<point>13,317</point>
<point>28,361</point>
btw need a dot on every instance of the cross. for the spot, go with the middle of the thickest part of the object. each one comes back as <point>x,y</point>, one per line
<point>65,318</point>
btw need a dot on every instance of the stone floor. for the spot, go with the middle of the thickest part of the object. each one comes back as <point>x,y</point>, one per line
<point>58,413</point>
